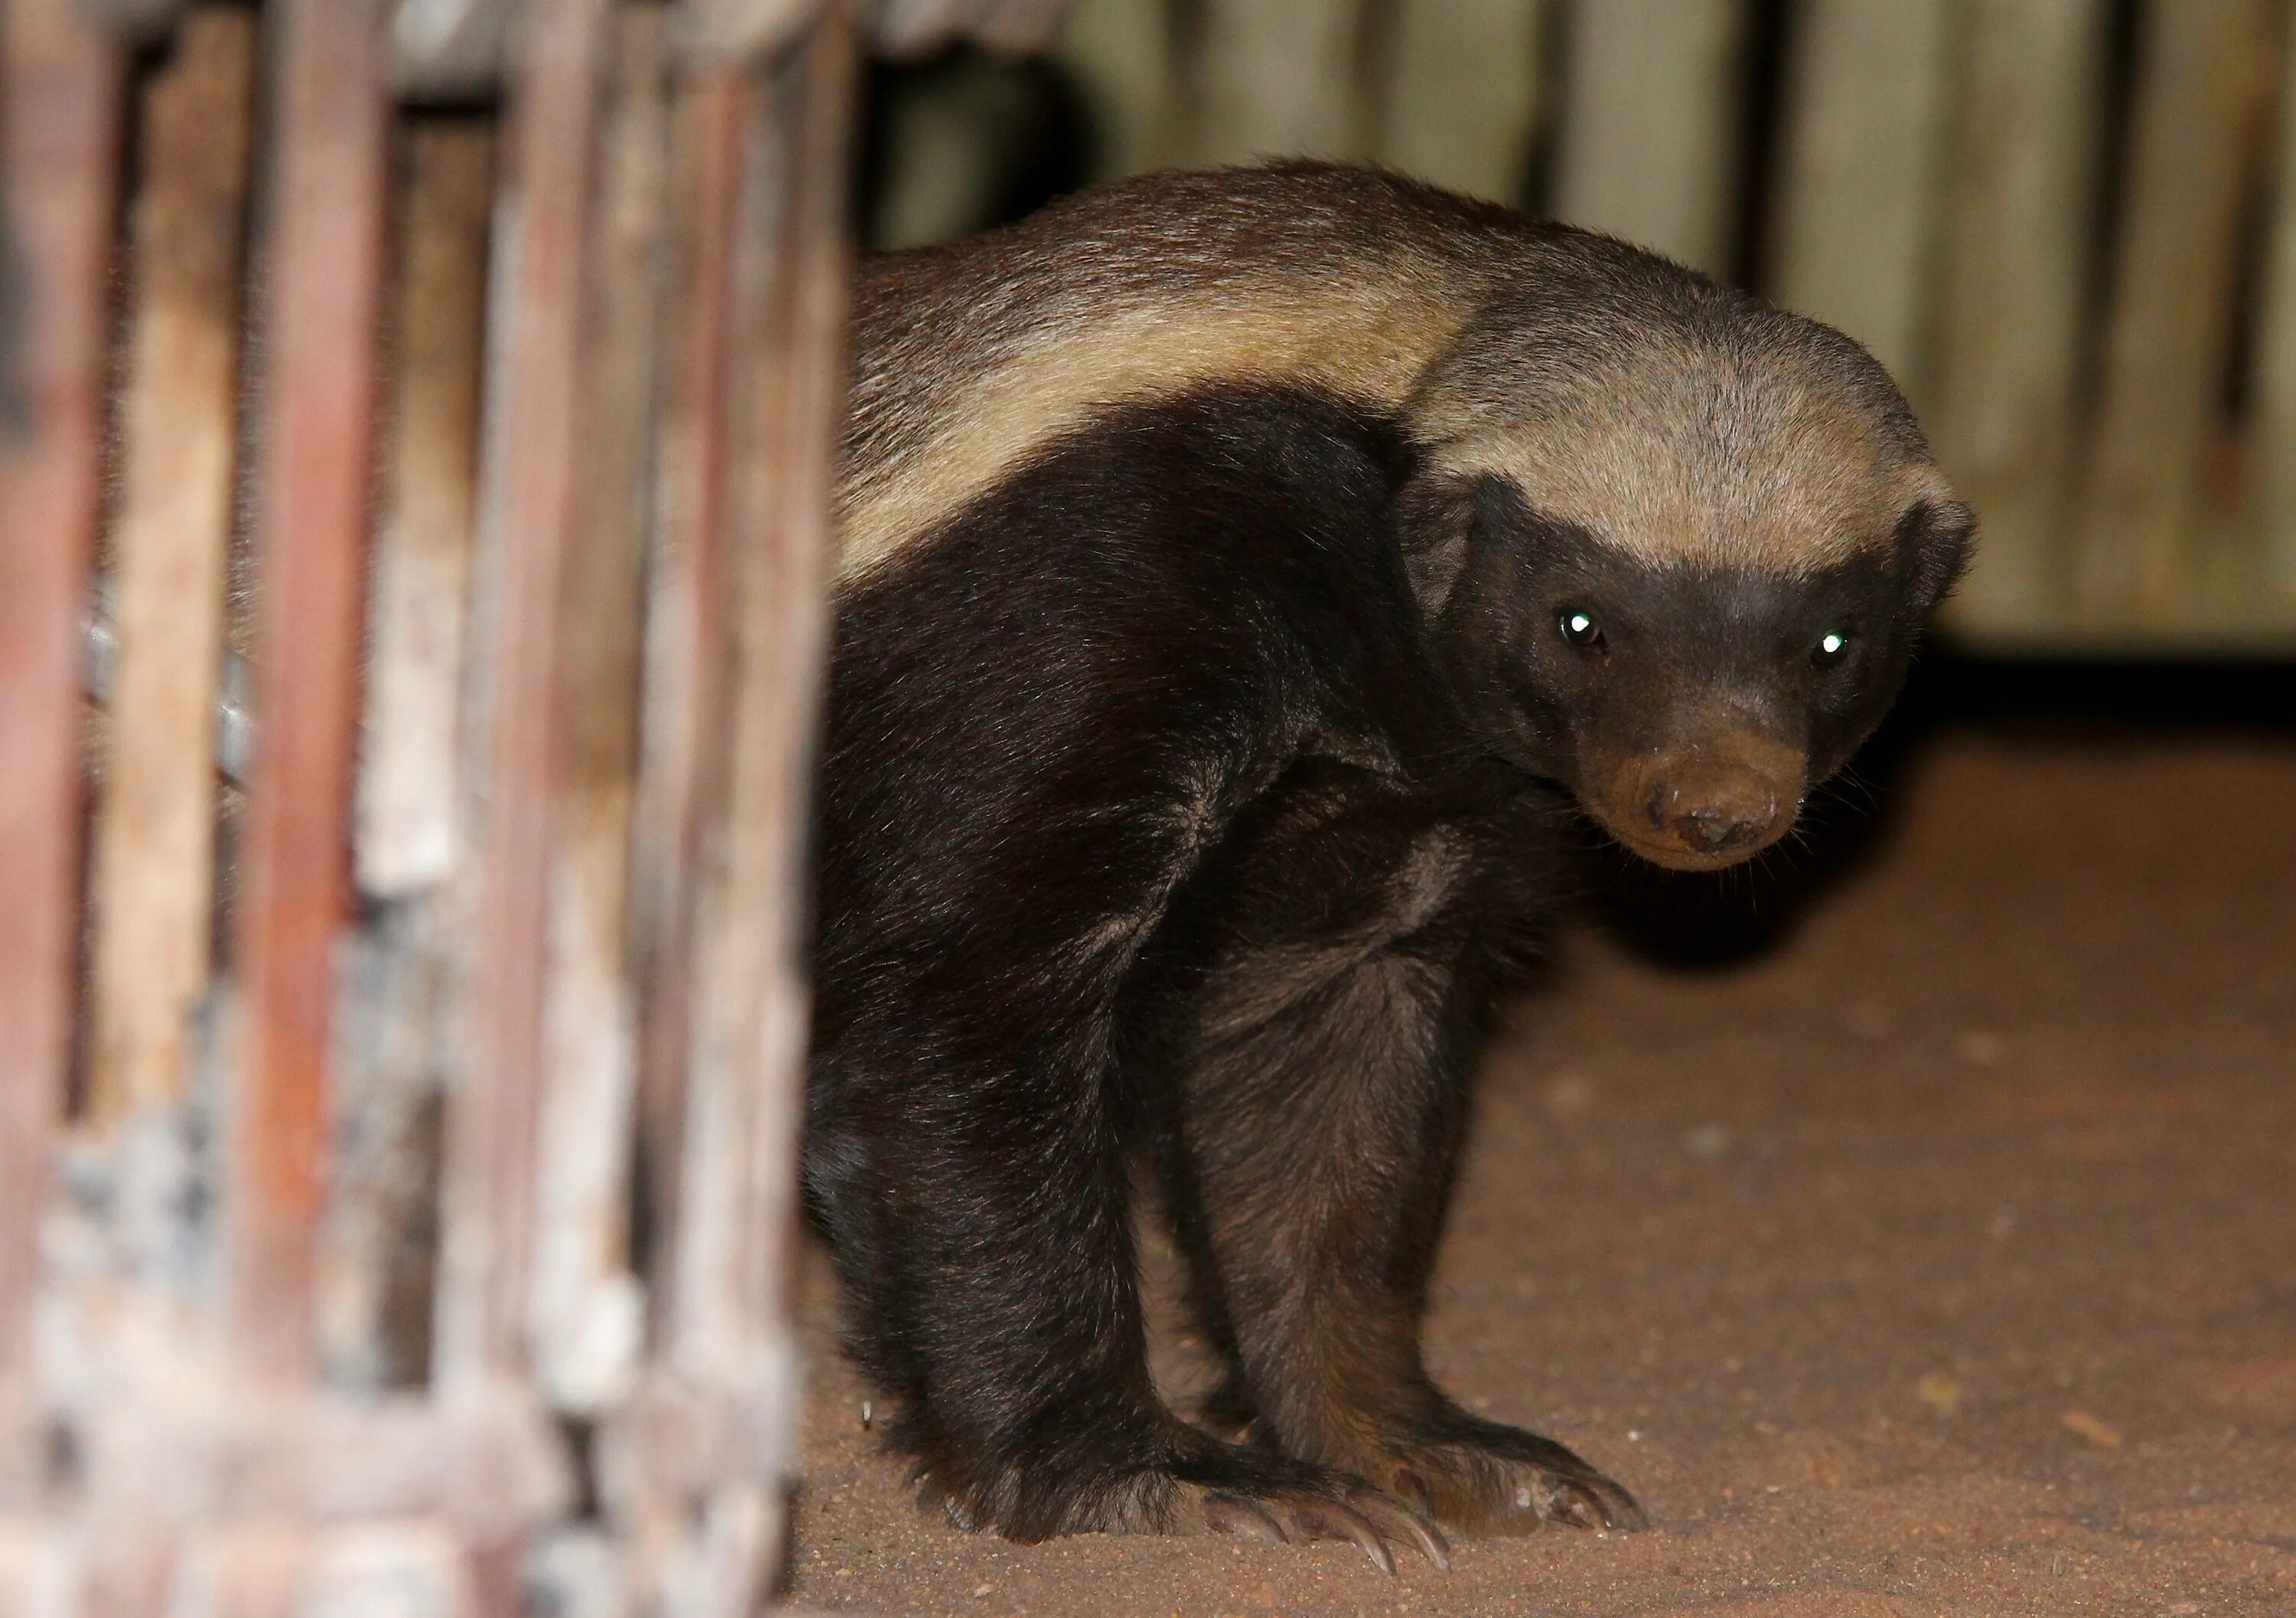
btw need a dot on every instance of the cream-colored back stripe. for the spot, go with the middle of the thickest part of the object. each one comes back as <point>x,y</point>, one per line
<point>1358,345</point>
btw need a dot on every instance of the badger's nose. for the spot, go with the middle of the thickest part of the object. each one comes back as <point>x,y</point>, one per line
<point>1713,809</point>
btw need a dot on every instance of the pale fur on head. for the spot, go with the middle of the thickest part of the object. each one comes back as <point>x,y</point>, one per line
<point>1674,420</point>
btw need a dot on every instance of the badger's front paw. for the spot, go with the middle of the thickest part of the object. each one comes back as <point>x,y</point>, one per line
<point>1486,1477</point>
<point>1331,1505</point>
<point>1150,1488</point>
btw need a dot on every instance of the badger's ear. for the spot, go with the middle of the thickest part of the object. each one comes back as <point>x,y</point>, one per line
<point>1934,542</point>
<point>1434,519</point>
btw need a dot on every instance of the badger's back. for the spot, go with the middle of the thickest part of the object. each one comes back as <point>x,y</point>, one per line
<point>1616,388</point>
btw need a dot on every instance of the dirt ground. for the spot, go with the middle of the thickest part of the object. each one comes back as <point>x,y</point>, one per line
<point>1926,1246</point>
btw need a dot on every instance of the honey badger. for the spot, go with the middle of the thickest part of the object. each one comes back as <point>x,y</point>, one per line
<point>1242,575</point>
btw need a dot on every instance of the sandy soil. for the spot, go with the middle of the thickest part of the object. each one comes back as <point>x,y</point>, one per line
<point>1927,1245</point>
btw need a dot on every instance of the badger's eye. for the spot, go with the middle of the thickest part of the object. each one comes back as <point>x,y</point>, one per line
<point>1833,647</point>
<point>1579,628</point>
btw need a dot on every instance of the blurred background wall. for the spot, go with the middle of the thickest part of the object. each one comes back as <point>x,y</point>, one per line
<point>2067,225</point>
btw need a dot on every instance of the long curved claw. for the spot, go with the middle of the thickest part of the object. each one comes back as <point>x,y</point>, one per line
<point>1584,1498</point>
<point>1334,1519</point>
<point>1561,1486</point>
<point>1244,1517</point>
<point>1620,1510</point>
<point>1397,1520</point>
<point>1501,1480</point>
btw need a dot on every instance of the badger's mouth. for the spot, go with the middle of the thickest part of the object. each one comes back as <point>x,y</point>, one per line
<point>1698,807</point>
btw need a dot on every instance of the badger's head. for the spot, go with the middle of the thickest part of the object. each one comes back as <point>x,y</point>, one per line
<point>1674,547</point>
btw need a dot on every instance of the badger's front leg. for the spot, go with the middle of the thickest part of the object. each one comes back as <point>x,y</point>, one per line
<point>965,1147</point>
<point>978,1212</point>
<point>1319,1073</point>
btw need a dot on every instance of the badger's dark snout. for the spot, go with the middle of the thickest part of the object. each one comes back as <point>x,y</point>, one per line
<point>1712,802</point>
<point>1715,809</point>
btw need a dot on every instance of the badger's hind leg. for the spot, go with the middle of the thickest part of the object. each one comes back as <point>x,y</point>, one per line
<point>1317,1096</point>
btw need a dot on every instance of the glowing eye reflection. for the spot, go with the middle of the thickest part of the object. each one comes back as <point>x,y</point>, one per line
<point>1580,630</point>
<point>1832,646</point>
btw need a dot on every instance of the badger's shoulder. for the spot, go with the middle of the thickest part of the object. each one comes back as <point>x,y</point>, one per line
<point>969,358</point>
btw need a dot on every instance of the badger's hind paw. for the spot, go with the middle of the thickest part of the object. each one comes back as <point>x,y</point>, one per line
<point>1341,1508</point>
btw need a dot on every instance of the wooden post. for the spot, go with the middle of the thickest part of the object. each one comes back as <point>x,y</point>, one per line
<point>1867,98</point>
<point>1120,52</point>
<point>686,606</point>
<point>59,117</point>
<point>156,831</point>
<point>326,213</point>
<point>739,1210</point>
<point>450,49</point>
<point>2018,223</point>
<point>1651,141</point>
<point>2168,341</point>
<point>1276,78</point>
<point>531,511</point>
<point>1464,88</point>
<point>699,1463</point>
<point>2272,447</point>
<point>377,1255</point>
<point>588,1313</point>
<point>410,783</point>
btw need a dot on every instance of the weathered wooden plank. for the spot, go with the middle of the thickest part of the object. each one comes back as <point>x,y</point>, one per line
<point>249,1453</point>
<point>2200,71</point>
<point>1651,142</point>
<point>395,1054</point>
<point>60,123</point>
<point>686,606</point>
<point>450,49</point>
<point>409,831</point>
<point>323,269</point>
<point>1276,78</point>
<point>1121,52</point>
<point>952,140</point>
<point>2018,225</point>
<point>1464,80</point>
<point>1867,98</point>
<point>378,1248</point>
<point>747,1067</point>
<point>729,1341</point>
<point>587,1309</point>
<point>531,508</point>
<point>2272,447</point>
<point>155,832</point>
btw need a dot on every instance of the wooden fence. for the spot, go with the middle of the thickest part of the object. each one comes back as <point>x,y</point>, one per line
<point>451,386</point>
<point>2070,225</point>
